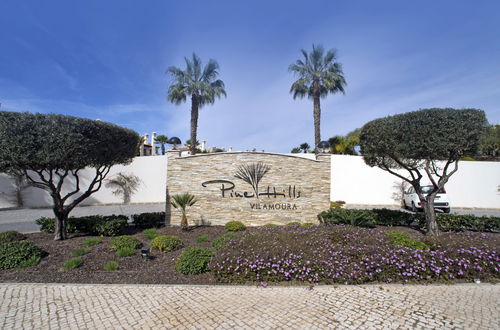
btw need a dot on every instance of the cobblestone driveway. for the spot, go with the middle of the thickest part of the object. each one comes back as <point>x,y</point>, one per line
<point>468,306</point>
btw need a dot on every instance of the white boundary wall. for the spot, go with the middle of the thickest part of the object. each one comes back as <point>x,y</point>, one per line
<point>475,184</point>
<point>152,171</point>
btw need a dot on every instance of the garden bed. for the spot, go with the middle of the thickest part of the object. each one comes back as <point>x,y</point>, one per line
<point>286,254</point>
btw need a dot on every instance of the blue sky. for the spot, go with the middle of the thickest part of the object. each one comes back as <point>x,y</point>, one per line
<point>107,60</point>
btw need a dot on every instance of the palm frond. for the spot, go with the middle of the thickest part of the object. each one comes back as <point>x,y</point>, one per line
<point>252,174</point>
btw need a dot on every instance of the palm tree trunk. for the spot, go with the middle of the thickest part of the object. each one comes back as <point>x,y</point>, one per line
<point>194,122</point>
<point>317,123</point>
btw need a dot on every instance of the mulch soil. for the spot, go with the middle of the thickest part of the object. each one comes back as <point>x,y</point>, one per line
<point>133,269</point>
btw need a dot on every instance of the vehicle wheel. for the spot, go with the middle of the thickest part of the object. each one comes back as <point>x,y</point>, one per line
<point>413,208</point>
<point>448,210</point>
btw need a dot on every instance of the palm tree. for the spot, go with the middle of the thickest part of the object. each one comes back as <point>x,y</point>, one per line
<point>319,74</point>
<point>181,202</point>
<point>201,85</point>
<point>304,147</point>
<point>162,139</point>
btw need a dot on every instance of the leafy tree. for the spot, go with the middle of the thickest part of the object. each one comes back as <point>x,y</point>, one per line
<point>426,142</point>
<point>295,150</point>
<point>52,149</point>
<point>319,75</point>
<point>304,147</point>
<point>125,185</point>
<point>490,145</point>
<point>201,85</point>
<point>162,140</point>
<point>181,202</point>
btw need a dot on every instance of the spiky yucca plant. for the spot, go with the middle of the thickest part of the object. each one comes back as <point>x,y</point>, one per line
<point>182,201</point>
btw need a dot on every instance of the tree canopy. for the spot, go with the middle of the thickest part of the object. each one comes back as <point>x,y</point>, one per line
<point>426,142</point>
<point>53,141</point>
<point>50,148</point>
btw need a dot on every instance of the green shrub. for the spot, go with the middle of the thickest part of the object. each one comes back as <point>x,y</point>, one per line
<point>19,255</point>
<point>270,225</point>
<point>11,236</point>
<point>235,226</point>
<point>387,217</point>
<point>149,220</point>
<point>72,263</point>
<point>201,239</point>
<point>150,233</point>
<point>193,260</point>
<point>402,239</point>
<point>125,252</point>
<point>166,243</point>
<point>337,204</point>
<point>293,223</point>
<point>92,241</point>
<point>111,265</point>
<point>47,225</point>
<point>80,252</point>
<point>464,222</point>
<point>307,224</point>
<point>109,227</point>
<point>220,241</point>
<point>125,241</point>
<point>353,217</point>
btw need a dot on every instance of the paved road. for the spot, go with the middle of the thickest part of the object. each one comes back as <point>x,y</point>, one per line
<point>23,220</point>
<point>56,306</point>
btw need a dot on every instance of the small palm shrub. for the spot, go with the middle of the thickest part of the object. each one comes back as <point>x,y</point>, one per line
<point>201,239</point>
<point>338,216</point>
<point>80,252</point>
<point>402,239</point>
<point>166,243</point>
<point>182,202</point>
<point>125,241</point>
<point>19,255</point>
<point>150,233</point>
<point>111,265</point>
<point>193,260</point>
<point>220,241</point>
<point>11,236</point>
<point>92,241</point>
<point>125,252</point>
<point>235,226</point>
<point>72,263</point>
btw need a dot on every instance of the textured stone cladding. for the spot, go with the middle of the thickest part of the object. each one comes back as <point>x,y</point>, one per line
<point>294,188</point>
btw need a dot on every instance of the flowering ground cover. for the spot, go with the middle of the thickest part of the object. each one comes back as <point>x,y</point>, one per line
<point>346,254</point>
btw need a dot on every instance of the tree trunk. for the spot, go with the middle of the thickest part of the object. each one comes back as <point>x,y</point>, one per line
<point>61,221</point>
<point>184,222</point>
<point>430,216</point>
<point>194,122</point>
<point>317,123</point>
<point>163,149</point>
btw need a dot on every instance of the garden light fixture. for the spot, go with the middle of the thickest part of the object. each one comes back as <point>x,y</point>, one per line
<point>324,147</point>
<point>174,141</point>
<point>145,253</point>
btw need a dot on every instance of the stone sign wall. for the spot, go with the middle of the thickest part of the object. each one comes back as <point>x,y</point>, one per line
<point>252,187</point>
